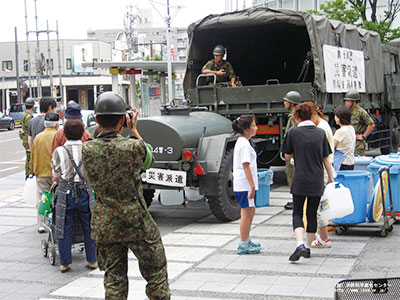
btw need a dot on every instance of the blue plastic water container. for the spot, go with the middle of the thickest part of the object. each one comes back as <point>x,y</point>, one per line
<point>384,160</point>
<point>361,163</point>
<point>358,182</point>
<point>264,186</point>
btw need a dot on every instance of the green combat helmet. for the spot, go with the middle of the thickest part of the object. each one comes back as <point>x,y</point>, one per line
<point>219,50</point>
<point>293,97</point>
<point>110,103</point>
<point>352,95</point>
<point>29,103</point>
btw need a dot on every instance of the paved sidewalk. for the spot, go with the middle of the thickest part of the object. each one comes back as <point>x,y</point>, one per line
<point>202,259</point>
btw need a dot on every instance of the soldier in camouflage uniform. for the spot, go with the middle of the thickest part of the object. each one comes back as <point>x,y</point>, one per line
<point>25,119</point>
<point>290,100</point>
<point>221,68</point>
<point>120,219</point>
<point>360,119</point>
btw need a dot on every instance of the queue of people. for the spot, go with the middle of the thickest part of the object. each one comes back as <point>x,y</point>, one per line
<point>113,220</point>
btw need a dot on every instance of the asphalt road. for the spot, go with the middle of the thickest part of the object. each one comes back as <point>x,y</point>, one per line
<point>12,153</point>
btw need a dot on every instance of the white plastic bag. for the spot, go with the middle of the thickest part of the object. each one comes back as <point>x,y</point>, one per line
<point>336,202</point>
<point>30,191</point>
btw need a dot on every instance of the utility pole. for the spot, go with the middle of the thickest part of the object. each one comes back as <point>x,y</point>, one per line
<point>49,61</point>
<point>169,64</point>
<point>168,19</point>
<point>28,53</point>
<point>38,58</point>
<point>19,99</point>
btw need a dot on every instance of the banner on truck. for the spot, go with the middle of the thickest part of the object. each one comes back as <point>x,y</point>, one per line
<point>344,69</point>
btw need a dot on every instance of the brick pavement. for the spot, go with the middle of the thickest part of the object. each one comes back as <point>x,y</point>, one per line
<point>202,259</point>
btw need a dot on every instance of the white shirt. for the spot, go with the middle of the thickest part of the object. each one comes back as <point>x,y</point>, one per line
<point>346,138</point>
<point>244,153</point>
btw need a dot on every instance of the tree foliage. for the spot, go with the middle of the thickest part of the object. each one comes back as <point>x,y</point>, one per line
<point>354,12</point>
<point>156,57</point>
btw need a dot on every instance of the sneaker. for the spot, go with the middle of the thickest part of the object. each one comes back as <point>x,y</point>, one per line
<point>252,244</point>
<point>301,251</point>
<point>64,269</point>
<point>320,243</point>
<point>248,249</point>
<point>91,265</point>
<point>41,230</point>
<point>288,205</point>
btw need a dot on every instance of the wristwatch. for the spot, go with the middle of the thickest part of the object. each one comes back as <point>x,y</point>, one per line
<point>363,137</point>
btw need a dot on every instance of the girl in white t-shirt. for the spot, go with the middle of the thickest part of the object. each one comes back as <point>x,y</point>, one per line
<point>245,181</point>
<point>344,140</point>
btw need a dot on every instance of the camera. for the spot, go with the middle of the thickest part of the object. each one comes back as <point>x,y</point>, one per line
<point>130,113</point>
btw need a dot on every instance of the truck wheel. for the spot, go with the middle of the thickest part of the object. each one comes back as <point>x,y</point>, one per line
<point>394,134</point>
<point>394,137</point>
<point>224,206</point>
<point>148,196</point>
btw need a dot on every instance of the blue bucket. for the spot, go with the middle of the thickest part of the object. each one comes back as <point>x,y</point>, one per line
<point>384,160</point>
<point>361,162</point>
<point>358,182</point>
<point>264,186</point>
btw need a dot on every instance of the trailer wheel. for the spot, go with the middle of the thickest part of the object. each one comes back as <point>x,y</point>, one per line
<point>52,255</point>
<point>148,196</point>
<point>224,206</point>
<point>44,247</point>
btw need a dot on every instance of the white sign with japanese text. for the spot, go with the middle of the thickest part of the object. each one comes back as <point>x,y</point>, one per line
<point>166,177</point>
<point>344,69</point>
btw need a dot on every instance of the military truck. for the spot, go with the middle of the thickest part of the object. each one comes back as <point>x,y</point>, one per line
<point>272,51</point>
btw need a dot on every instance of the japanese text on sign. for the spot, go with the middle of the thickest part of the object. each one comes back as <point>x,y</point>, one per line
<point>166,177</point>
<point>344,69</point>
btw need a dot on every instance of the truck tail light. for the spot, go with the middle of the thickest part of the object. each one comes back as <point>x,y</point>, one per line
<point>187,155</point>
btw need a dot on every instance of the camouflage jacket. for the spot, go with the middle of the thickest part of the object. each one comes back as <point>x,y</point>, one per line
<point>360,119</point>
<point>113,165</point>
<point>213,66</point>
<point>25,119</point>
<point>291,122</point>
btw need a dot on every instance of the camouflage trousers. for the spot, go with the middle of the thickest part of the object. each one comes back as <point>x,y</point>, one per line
<point>360,147</point>
<point>27,161</point>
<point>289,173</point>
<point>113,259</point>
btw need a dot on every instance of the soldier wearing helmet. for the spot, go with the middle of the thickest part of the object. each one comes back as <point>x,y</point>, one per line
<point>120,219</point>
<point>220,67</point>
<point>360,119</point>
<point>290,100</point>
<point>25,120</point>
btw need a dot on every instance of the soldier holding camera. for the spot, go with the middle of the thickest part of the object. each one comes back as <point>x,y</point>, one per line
<point>120,219</point>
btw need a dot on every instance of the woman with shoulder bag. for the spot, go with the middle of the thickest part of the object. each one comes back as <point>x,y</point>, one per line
<point>73,195</point>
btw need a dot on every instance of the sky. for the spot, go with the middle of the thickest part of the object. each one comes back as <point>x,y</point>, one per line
<point>75,17</point>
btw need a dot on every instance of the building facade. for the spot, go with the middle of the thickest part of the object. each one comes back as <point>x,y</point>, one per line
<point>81,85</point>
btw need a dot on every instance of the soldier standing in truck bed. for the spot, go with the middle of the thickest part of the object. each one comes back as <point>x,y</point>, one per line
<point>220,67</point>
<point>360,119</point>
<point>120,219</point>
<point>290,100</point>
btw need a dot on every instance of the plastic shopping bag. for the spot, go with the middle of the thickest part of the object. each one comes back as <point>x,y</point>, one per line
<point>45,203</point>
<point>30,191</point>
<point>336,202</point>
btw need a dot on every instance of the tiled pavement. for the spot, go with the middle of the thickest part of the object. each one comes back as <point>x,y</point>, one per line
<point>202,261</point>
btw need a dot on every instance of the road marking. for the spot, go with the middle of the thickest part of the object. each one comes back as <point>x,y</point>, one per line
<point>12,162</point>
<point>14,139</point>
<point>8,169</point>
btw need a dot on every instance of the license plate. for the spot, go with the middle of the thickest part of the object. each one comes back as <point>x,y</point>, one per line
<point>166,177</point>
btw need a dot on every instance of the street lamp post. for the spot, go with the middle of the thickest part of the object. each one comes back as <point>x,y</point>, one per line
<point>3,94</point>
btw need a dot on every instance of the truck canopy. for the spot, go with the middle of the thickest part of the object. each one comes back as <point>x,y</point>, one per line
<point>264,44</point>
